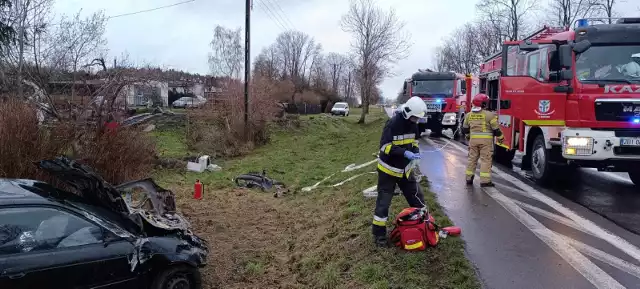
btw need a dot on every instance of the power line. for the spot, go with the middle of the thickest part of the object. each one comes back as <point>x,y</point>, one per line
<point>272,16</point>
<point>284,15</point>
<point>149,10</point>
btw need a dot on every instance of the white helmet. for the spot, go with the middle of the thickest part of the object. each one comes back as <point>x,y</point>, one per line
<point>415,106</point>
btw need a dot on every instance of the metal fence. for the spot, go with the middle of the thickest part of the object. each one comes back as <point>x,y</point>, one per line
<point>302,108</point>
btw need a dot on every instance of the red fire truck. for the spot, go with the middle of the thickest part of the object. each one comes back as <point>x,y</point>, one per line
<point>446,95</point>
<point>569,98</point>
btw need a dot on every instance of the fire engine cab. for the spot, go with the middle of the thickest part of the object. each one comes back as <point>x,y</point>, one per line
<point>446,97</point>
<point>569,98</point>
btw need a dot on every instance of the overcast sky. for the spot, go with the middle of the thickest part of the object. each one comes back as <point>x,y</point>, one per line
<point>178,37</point>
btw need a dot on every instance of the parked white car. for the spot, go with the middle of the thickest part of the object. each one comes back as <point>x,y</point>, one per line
<point>340,108</point>
<point>185,102</point>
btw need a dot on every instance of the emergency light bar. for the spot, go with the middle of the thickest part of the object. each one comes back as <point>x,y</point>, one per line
<point>582,22</point>
<point>636,120</point>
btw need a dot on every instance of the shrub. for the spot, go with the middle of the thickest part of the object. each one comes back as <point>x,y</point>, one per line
<point>218,129</point>
<point>23,141</point>
<point>119,156</point>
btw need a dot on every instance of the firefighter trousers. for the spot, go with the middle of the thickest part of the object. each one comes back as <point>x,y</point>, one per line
<point>386,186</point>
<point>480,148</point>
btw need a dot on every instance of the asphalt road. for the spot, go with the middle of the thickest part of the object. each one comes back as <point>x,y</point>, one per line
<point>580,233</point>
<point>519,235</point>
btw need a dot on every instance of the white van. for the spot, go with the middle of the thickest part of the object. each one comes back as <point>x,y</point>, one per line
<point>340,108</point>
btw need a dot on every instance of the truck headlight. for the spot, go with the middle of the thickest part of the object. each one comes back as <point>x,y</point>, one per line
<point>577,146</point>
<point>449,118</point>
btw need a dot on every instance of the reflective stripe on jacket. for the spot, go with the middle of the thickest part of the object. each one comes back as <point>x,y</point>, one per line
<point>398,136</point>
<point>482,124</point>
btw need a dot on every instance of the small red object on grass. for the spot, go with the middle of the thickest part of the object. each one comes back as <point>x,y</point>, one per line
<point>452,230</point>
<point>197,190</point>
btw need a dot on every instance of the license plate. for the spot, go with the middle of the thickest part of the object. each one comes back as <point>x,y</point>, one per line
<point>434,107</point>
<point>630,142</point>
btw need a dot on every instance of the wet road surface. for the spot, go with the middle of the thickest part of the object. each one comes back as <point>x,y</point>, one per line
<point>519,235</point>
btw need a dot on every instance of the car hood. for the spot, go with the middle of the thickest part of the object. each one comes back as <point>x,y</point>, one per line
<point>153,211</point>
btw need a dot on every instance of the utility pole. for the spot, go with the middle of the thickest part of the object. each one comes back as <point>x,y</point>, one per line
<point>247,64</point>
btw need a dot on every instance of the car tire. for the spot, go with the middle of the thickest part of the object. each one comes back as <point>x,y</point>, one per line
<point>180,276</point>
<point>634,175</point>
<point>346,114</point>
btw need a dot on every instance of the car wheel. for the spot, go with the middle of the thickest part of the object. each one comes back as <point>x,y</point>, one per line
<point>178,277</point>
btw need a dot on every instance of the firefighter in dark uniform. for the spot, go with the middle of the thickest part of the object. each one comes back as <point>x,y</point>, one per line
<point>481,126</point>
<point>398,148</point>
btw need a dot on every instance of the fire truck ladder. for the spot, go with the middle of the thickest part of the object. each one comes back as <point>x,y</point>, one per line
<point>544,32</point>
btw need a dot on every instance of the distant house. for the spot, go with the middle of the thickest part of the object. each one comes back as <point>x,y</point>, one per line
<point>140,94</point>
<point>137,94</point>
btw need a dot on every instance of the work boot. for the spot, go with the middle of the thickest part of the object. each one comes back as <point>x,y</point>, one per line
<point>489,184</point>
<point>470,181</point>
<point>381,241</point>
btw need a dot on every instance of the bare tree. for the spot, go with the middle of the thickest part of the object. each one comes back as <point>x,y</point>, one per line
<point>227,56</point>
<point>565,12</point>
<point>606,8</point>
<point>509,15</point>
<point>297,51</point>
<point>80,41</point>
<point>268,63</point>
<point>337,65</point>
<point>379,40</point>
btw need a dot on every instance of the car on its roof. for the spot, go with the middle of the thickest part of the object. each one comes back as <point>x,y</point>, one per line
<point>99,237</point>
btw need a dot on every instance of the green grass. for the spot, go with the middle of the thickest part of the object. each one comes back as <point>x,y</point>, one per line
<point>327,231</point>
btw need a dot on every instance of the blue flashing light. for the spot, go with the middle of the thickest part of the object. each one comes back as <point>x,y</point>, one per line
<point>636,120</point>
<point>583,22</point>
<point>438,100</point>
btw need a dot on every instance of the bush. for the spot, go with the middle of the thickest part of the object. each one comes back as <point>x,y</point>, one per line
<point>218,128</point>
<point>119,156</point>
<point>23,141</point>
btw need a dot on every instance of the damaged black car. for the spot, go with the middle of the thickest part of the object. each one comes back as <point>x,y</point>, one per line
<point>94,235</point>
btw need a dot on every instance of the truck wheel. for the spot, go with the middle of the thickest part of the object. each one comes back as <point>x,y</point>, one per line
<point>634,175</point>
<point>540,166</point>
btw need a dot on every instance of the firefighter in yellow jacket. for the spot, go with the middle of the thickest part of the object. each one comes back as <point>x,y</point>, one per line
<point>481,126</point>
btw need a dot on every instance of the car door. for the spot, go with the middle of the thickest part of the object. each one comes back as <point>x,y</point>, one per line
<point>47,247</point>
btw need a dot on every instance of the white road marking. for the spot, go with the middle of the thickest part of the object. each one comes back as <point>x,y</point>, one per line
<point>514,190</point>
<point>582,264</point>
<point>603,234</point>
<point>603,256</point>
<point>560,219</point>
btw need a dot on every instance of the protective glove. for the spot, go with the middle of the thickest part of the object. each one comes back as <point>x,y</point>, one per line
<point>467,137</point>
<point>422,120</point>
<point>500,139</point>
<point>411,156</point>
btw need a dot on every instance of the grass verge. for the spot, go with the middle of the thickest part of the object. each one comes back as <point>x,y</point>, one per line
<point>316,239</point>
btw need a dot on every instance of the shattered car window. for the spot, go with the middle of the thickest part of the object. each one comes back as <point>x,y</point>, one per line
<point>37,229</point>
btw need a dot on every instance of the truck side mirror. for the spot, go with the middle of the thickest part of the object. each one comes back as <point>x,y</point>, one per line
<point>566,74</point>
<point>581,46</point>
<point>565,56</point>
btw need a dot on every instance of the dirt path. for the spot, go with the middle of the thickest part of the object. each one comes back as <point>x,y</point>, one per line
<point>249,238</point>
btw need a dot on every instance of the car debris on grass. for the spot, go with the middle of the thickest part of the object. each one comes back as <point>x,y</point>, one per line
<point>146,233</point>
